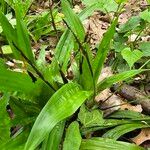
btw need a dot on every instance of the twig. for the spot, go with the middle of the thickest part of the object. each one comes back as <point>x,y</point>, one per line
<point>53,21</point>
<point>34,67</point>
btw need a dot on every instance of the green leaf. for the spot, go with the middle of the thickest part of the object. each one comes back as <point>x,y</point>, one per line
<point>25,112</point>
<point>131,56</point>
<point>60,106</point>
<point>73,21</point>
<point>108,82</point>
<point>11,81</point>
<point>4,120</point>
<point>85,78</point>
<point>103,50</point>
<point>124,114</point>
<point>63,49</point>
<point>54,138</point>
<point>122,129</point>
<point>24,5</point>
<point>90,118</point>
<point>107,144</point>
<point>108,123</point>
<point>145,15</point>
<point>144,47</point>
<point>16,142</point>
<point>73,137</point>
<point>130,25</point>
<point>23,41</point>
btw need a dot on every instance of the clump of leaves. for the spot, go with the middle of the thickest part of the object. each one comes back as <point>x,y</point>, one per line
<point>45,102</point>
<point>128,44</point>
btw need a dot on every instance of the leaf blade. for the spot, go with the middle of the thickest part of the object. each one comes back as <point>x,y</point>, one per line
<point>73,137</point>
<point>61,102</point>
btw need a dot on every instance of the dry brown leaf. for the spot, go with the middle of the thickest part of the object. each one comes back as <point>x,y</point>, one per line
<point>128,106</point>
<point>142,137</point>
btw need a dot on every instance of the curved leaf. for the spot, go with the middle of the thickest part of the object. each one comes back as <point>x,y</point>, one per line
<point>106,83</point>
<point>60,106</point>
<point>107,144</point>
<point>122,129</point>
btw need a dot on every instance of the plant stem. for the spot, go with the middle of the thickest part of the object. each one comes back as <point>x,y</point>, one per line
<point>52,17</point>
<point>145,64</point>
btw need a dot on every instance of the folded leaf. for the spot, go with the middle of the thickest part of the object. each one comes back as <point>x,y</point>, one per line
<point>60,106</point>
<point>73,137</point>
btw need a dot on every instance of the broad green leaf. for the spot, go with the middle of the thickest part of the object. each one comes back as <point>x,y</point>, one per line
<point>103,50</point>
<point>53,140</point>
<point>107,144</point>
<point>23,41</point>
<point>122,129</point>
<point>90,118</point>
<point>73,137</point>
<point>73,20</point>
<point>131,56</point>
<point>5,124</point>
<point>145,15</point>
<point>61,105</point>
<point>145,48</point>
<point>11,81</point>
<point>130,25</point>
<point>108,82</point>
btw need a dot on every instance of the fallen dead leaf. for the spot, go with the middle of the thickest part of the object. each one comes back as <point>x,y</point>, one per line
<point>127,106</point>
<point>142,137</point>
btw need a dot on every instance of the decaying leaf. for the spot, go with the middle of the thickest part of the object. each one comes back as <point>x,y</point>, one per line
<point>142,137</point>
